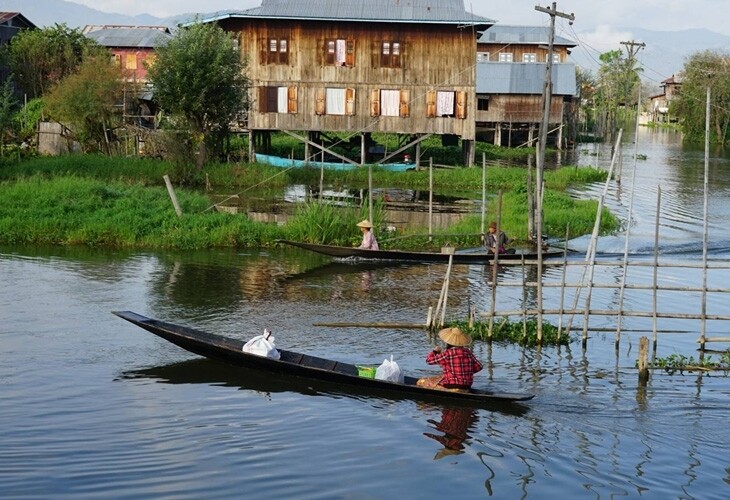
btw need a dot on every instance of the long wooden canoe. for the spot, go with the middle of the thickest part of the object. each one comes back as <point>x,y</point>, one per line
<point>471,256</point>
<point>230,351</point>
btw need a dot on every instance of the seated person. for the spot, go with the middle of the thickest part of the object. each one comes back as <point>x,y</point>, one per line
<point>457,362</point>
<point>368,238</point>
<point>495,243</point>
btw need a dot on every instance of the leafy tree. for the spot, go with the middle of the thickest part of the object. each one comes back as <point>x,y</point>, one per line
<point>87,102</point>
<point>703,70</point>
<point>40,58</point>
<point>199,76</point>
<point>8,106</point>
<point>617,86</point>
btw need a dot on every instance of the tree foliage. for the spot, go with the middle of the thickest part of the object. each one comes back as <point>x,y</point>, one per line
<point>8,106</point>
<point>199,76</point>
<point>38,59</point>
<point>617,86</point>
<point>86,101</point>
<point>703,70</point>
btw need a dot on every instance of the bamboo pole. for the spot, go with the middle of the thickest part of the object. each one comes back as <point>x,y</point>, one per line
<point>643,361</point>
<point>562,281</point>
<point>590,253</point>
<point>173,197</point>
<point>447,282</point>
<point>703,304</point>
<point>484,190</point>
<point>430,199</point>
<point>371,325</point>
<point>656,259</point>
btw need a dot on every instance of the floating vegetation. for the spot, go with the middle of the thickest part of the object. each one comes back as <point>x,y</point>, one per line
<point>679,362</point>
<point>516,332</point>
<point>641,156</point>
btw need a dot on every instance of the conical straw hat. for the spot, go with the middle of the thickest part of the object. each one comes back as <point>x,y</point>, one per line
<point>364,223</point>
<point>454,336</point>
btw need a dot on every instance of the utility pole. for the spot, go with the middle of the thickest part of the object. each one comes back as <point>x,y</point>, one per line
<point>547,97</point>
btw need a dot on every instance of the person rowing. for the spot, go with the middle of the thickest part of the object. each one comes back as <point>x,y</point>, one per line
<point>457,362</point>
<point>368,238</point>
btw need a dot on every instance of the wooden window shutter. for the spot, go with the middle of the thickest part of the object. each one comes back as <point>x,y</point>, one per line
<point>330,52</point>
<point>272,99</point>
<point>350,53</point>
<point>319,104</point>
<point>431,104</point>
<point>264,51</point>
<point>262,99</point>
<point>460,104</point>
<point>375,102</point>
<point>404,108</point>
<point>284,51</point>
<point>384,54</point>
<point>350,102</point>
<point>291,94</point>
<point>395,51</point>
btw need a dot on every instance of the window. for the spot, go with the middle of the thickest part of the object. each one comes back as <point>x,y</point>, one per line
<point>529,58</point>
<point>447,104</point>
<point>482,103</point>
<point>131,61</point>
<point>556,57</point>
<point>339,52</point>
<point>278,99</point>
<point>390,53</point>
<point>277,51</point>
<point>505,57</point>
<point>334,101</point>
<point>389,103</point>
<point>482,56</point>
<point>117,60</point>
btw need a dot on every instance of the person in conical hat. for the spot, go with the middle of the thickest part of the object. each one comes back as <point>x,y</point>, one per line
<point>457,362</point>
<point>368,238</point>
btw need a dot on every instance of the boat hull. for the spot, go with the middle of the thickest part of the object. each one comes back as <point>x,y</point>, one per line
<point>473,257</point>
<point>301,365</point>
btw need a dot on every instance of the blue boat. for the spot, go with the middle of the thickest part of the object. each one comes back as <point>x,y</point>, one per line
<point>278,161</point>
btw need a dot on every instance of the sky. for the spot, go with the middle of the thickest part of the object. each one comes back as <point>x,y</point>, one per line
<point>602,16</point>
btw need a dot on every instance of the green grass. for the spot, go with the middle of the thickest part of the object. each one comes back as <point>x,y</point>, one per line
<point>515,332</point>
<point>101,201</point>
<point>679,362</point>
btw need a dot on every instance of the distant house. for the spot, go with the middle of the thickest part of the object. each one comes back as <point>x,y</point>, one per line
<point>131,46</point>
<point>511,67</point>
<point>393,66</point>
<point>10,25</point>
<point>660,102</point>
<point>133,49</point>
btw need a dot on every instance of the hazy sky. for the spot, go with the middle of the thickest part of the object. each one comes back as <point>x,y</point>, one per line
<point>660,15</point>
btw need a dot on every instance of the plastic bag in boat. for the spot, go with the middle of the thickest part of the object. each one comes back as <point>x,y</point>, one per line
<point>390,371</point>
<point>262,345</point>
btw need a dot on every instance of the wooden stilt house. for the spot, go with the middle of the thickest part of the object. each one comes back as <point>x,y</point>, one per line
<point>318,67</point>
<point>511,66</point>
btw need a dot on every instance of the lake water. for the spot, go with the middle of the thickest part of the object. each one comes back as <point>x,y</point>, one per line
<point>93,407</point>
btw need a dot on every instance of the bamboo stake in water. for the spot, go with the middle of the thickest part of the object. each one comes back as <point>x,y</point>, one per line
<point>484,189</point>
<point>703,305</point>
<point>430,199</point>
<point>656,262</point>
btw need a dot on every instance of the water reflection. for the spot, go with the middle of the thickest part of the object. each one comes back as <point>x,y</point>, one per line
<point>454,426</point>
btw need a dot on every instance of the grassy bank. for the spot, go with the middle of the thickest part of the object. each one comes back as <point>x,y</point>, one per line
<point>120,202</point>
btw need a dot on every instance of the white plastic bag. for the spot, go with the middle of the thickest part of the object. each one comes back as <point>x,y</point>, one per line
<point>262,345</point>
<point>389,371</point>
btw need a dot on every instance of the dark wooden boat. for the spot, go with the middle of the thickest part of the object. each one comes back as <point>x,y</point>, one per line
<point>470,256</point>
<point>301,365</point>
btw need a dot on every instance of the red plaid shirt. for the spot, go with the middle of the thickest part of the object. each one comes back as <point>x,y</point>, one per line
<point>458,363</point>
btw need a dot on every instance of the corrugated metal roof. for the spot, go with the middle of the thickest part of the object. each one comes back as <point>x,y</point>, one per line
<point>15,19</point>
<point>129,37</point>
<point>523,35</point>
<point>524,78</point>
<point>409,11</point>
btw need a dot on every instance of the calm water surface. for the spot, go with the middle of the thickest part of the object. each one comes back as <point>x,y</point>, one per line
<point>93,407</point>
